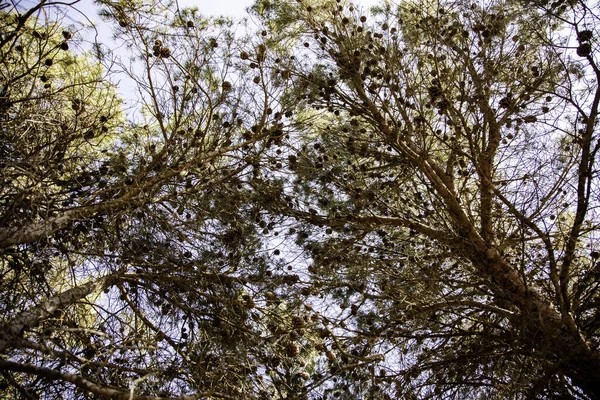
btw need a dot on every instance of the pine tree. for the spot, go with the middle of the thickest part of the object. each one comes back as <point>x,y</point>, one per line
<point>444,184</point>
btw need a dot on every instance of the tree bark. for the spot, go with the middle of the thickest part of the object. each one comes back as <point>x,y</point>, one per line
<point>43,229</point>
<point>93,387</point>
<point>585,374</point>
<point>539,319</point>
<point>29,318</point>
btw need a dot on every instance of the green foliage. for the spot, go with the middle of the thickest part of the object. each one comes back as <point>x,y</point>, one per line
<point>428,189</point>
<point>138,233</point>
<point>398,203</point>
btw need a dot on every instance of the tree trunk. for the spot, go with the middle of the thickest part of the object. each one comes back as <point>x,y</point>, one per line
<point>585,374</point>
<point>558,340</point>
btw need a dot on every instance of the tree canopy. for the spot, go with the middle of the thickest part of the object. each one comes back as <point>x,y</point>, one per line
<point>320,201</point>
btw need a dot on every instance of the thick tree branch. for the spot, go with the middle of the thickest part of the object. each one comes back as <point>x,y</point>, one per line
<point>29,318</point>
<point>105,391</point>
<point>584,184</point>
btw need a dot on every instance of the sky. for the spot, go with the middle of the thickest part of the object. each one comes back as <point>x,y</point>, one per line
<point>236,8</point>
<point>233,8</point>
<point>104,33</point>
